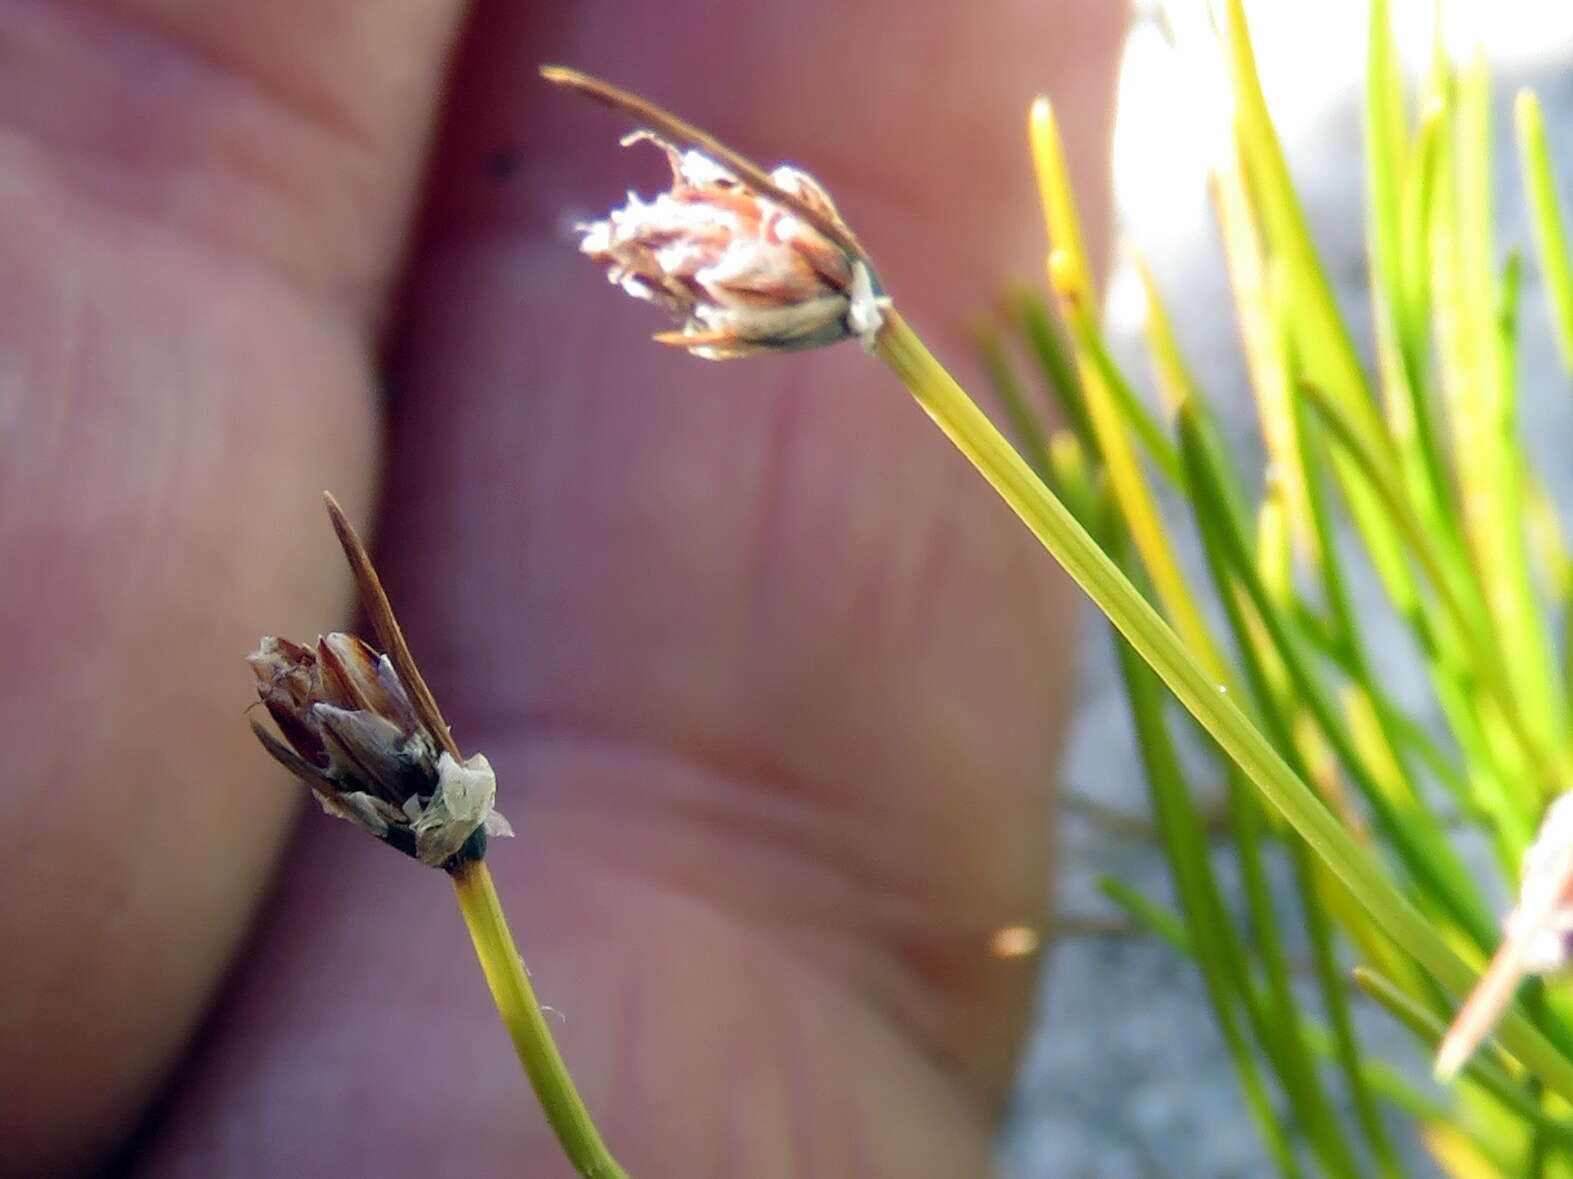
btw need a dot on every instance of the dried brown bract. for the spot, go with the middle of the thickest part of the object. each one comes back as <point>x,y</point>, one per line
<point>368,740</point>
<point>746,261</point>
<point>351,734</point>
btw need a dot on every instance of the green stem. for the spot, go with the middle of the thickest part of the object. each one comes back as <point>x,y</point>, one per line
<point>1049,520</point>
<point>516,1002</point>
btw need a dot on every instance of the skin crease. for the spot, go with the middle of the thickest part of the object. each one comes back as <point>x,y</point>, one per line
<point>771,681</point>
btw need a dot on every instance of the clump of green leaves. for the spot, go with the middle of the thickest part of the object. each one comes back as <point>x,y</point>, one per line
<point>1412,468</point>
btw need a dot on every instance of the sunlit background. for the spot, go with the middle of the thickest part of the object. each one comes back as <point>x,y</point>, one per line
<point>1126,1077</point>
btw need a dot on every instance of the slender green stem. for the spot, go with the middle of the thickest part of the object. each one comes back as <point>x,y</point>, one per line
<point>1049,520</point>
<point>1209,935</point>
<point>543,1064</point>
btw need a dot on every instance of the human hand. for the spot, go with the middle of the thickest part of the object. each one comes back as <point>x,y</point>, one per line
<point>770,681</point>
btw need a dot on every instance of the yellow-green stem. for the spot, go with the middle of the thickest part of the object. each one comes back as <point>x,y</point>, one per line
<point>975,436</point>
<point>543,1064</point>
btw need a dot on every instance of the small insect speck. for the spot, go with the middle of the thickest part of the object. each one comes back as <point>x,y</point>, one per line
<point>503,164</point>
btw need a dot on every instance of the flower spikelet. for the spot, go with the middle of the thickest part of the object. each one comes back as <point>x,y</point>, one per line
<point>350,732</point>
<point>740,271</point>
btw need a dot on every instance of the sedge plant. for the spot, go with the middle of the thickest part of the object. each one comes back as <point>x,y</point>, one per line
<point>361,729</point>
<point>1409,471</point>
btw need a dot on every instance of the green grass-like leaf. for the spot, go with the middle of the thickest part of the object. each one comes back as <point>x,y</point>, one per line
<point>1413,471</point>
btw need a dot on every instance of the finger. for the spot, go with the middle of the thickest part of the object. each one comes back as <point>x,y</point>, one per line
<point>916,125</point>
<point>201,203</point>
<point>781,509</point>
<point>769,678</point>
<point>290,133</point>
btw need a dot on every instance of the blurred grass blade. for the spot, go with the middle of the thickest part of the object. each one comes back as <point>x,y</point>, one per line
<point>975,436</point>
<point>1480,1070</point>
<point>1324,343</point>
<point>1175,383</point>
<point>1072,281</point>
<point>1091,346</point>
<point>1031,312</point>
<point>1460,607</point>
<point>1336,1006</point>
<point>1265,352</point>
<point>1386,143</point>
<point>1398,179</point>
<point>1147,913</point>
<point>1411,411</point>
<point>1023,422</point>
<point>1411,831</point>
<point>1477,345</point>
<point>1545,208</point>
<point>1209,931</point>
<point>1460,1156</point>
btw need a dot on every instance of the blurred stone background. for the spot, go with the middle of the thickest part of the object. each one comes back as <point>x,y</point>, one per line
<point>1126,1077</point>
